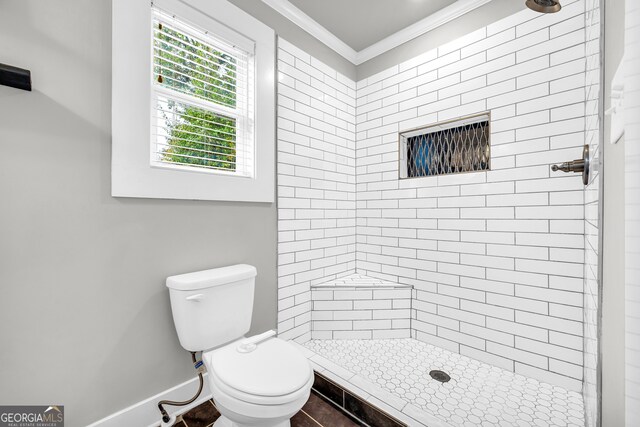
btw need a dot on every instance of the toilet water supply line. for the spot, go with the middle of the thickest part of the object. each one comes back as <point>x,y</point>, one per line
<point>246,346</point>
<point>200,368</point>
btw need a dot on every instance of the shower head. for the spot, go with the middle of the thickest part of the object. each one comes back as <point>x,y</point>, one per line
<point>544,6</point>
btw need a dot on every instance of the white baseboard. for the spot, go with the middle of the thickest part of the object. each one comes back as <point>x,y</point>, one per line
<point>146,413</point>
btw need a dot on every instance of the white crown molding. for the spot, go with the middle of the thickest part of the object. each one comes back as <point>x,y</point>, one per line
<point>308,24</point>
<point>421,27</point>
<point>441,17</point>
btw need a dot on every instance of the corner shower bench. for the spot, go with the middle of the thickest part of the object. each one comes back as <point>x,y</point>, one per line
<point>360,307</point>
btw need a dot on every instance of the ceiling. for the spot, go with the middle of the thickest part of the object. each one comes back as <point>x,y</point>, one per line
<point>361,23</point>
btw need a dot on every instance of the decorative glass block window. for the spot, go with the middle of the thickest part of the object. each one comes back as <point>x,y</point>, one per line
<point>455,146</point>
<point>202,106</point>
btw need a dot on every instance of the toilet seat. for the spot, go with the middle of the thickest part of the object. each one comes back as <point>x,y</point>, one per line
<point>274,373</point>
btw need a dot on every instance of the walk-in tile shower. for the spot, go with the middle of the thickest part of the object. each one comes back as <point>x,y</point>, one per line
<point>490,274</point>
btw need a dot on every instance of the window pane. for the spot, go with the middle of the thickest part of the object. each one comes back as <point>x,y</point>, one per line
<point>191,136</point>
<point>190,65</point>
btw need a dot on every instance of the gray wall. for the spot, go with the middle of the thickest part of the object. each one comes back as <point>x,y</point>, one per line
<point>478,18</point>
<point>85,319</point>
<point>613,268</point>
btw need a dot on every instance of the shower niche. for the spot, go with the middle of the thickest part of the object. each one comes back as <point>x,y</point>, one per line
<point>455,146</point>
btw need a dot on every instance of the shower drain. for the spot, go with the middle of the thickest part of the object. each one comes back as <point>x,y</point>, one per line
<point>441,376</point>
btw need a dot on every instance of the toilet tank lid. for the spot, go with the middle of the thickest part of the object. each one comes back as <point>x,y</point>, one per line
<point>214,277</point>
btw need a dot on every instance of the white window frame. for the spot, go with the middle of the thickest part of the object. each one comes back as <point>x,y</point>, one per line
<point>134,174</point>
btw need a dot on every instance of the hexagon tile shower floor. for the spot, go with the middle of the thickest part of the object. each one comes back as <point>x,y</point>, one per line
<point>477,394</point>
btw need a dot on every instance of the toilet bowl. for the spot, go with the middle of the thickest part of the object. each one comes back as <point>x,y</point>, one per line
<point>264,387</point>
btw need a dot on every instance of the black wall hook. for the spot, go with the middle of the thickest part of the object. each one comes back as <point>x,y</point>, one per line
<point>15,77</point>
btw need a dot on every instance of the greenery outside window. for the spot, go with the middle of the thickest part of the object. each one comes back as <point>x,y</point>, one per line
<point>202,106</point>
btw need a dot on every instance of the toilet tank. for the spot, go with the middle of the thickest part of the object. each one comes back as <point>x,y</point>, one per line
<point>212,307</point>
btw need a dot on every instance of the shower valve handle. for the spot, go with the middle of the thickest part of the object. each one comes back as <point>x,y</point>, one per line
<point>577,166</point>
<point>573,166</point>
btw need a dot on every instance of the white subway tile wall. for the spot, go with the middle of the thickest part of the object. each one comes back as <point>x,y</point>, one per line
<point>358,307</point>
<point>316,183</point>
<point>590,389</point>
<point>496,258</point>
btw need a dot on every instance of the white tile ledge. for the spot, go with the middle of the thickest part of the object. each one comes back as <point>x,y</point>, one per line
<point>360,281</point>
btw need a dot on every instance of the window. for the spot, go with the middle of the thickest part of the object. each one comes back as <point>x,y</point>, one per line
<point>193,102</point>
<point>202,111</point>
<point>456,146</point>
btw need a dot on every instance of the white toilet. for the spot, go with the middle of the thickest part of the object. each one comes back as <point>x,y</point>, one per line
<point>258,381</point>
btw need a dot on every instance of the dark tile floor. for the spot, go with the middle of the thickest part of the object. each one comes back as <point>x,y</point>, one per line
<point>315,413</point>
